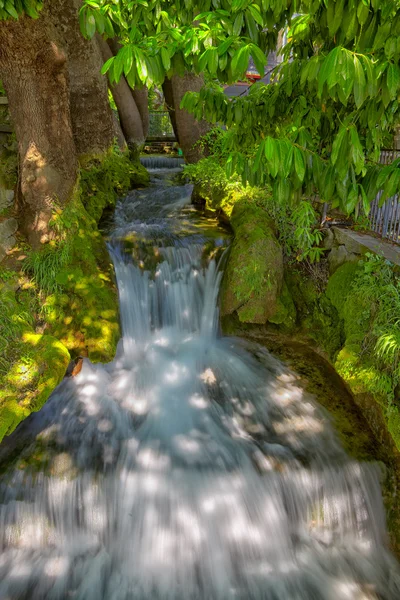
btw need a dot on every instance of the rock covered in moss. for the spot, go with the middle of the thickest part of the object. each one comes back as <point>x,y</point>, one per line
<point>104,179</point>
<point>41,365</point>
<point>253,278</point>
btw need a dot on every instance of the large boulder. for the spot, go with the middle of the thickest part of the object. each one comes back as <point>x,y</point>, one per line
<point>253,279</point>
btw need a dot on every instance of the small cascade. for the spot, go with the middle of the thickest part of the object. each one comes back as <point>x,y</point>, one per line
<point>161,162</point>
<point>192,467</point>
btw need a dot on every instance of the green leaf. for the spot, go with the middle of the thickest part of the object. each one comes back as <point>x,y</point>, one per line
<point>328,69</point>
<point>393,80</point>
<point>337,19</point>
<point>240,61</point>
<point>212,60</point>
<point>166,60</point>
<point>90,24</point>
<point>259,155</point>
<point>299,164</point>
<point>365,202</point>
<point>106,67</point>
<point>238,24</point>
<point>224,47</point>
<point>260,60</point>
<point>256,14</point>
<point>360,84</point>
<point>356,151</point>
<point>337,144</point>
<point>11,10</point>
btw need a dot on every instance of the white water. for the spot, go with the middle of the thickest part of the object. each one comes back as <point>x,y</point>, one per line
<point>189,468</point>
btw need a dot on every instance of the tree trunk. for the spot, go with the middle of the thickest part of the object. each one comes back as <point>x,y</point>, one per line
<point>141,96</point>
<point>188,130</point>
<point>91,114</point>
<point>34,73</point>
<point>169,100</point>
<point>128,112</point>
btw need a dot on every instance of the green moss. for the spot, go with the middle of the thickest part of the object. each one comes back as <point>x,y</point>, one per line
<point>393,420</point>
<point>104,179</point>
<point>40,366</point>
<point>80,307</point>
<point>339,284</point>
<point>254,274</point>
<point>66,290</point>
<point>285,314</point>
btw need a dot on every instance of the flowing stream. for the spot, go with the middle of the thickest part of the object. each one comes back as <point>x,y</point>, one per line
<point>191,467</point>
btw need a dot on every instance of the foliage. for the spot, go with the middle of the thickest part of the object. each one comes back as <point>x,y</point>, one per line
<point>333,104</point>
<point>379,285</point>
<point>44,265</point>
<point>164,36</point>
<point>14,8</point>
<point>106,178</point>
<point>319,127</point>
<point>367,297</point>
<point>296,224</point>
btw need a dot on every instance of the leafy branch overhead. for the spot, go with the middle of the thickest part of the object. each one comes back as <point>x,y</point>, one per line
<point>333,104</point>
<point>12,9</point>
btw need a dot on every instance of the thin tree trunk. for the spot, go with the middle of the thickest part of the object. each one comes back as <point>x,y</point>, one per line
<point>141,96</point>
<point>129,116</point>
<point>91,114</point>
<point>188,130</point>
<point>34,73</point>
<point>169,100</point>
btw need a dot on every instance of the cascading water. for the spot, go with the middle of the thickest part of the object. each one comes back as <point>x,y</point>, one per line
<point>191,467</point>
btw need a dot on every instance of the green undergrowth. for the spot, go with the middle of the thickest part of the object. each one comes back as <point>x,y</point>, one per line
<point>357,321</point>
<point>295,223</point>
<point>104,179</point>
<point>31,364</point>
<point>61,301</point>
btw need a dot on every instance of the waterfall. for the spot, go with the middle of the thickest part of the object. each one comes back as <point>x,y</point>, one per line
<point>192,467</point>
<point>161,162</point>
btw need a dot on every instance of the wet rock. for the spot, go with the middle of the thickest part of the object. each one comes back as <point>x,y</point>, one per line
<point>253,277</point>
<point>7,240</point>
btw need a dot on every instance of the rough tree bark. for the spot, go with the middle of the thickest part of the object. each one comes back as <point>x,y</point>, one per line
<point>33,69</point>
<point>187,130</point>
<point>91,115</point>
<point>129,115</point>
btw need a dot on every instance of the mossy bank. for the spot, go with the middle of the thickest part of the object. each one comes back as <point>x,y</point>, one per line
<point>61,301</point>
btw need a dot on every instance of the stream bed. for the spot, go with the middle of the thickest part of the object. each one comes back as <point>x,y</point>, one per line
<point>194,466</point>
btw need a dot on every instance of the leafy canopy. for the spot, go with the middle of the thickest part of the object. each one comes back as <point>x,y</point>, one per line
<point>164,36</point>
<point>12,9</point>
<point>334,103</point>
<point>320,127</point>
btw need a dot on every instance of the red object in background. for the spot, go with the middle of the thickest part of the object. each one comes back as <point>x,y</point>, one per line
<point>253,77</point>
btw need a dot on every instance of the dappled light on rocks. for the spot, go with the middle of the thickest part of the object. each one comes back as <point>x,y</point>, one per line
<point>192,467</point>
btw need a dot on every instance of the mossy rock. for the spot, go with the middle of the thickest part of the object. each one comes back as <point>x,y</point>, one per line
<point>253,277</point>
<point>285,314</point>
<point>82,308</point>
<point>40,367</point>
<point>339,284</point>
<point>104,179</point>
